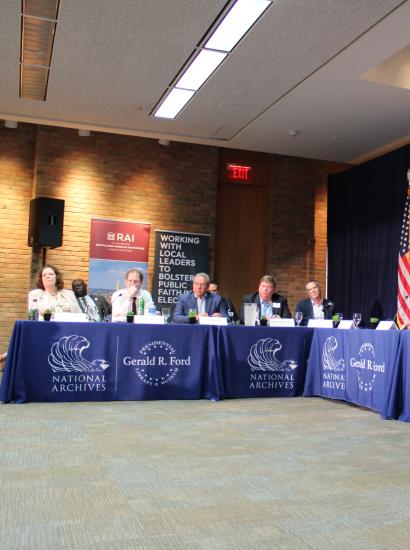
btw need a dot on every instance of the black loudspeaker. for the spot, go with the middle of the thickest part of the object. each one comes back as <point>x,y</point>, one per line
<point>46,222</point>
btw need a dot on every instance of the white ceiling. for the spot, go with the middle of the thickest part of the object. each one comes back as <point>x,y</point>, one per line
<point>298,69</point>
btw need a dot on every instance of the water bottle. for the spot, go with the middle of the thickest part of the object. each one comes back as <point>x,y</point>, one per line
<point>152,310</point>
<point>230,316</point>
<point>140,306</point>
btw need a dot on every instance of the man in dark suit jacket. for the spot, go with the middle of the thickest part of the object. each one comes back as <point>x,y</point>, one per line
<point>268,302</point>
<point>230,308</point>
<point>96,306</point>
<point>205,303</point>
<point>315,306</point>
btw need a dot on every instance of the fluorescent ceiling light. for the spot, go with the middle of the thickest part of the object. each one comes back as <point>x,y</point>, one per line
<point>236,23</point>
<point>38,27</point>
<point>41,8</point>
<point>200,69</point>
<point>173,103</point>
<point>232,28</point>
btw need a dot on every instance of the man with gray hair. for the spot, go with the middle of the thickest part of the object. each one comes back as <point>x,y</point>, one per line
<point>199,299</point>
<point>315,306</point>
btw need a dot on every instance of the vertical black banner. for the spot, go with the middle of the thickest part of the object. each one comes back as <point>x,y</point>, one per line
<point>178,256</point>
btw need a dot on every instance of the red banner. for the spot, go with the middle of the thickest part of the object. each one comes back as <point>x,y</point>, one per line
<point>119,240</point>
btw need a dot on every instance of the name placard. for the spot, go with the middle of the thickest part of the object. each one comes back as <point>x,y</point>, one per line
<point>346,324</point>
<point>320,323</point>
<point>386,325</point>
<point>281,323</point>
<point>149,319</point>
<point>66,316</point>
<point>213,321</point>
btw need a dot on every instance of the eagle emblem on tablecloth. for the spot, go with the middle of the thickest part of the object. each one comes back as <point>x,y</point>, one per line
<point>67,355</point>
<point>262,357</point>
<point>328,356</point>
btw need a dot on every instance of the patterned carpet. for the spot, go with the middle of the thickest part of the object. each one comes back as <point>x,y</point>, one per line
<point>239,474</point>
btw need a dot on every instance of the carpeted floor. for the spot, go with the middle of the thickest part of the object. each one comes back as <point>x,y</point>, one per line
<point>239,474</point>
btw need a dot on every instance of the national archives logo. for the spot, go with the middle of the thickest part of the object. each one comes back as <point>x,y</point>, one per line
<point>74,372</point>
<point>267,370</point>
<point>157,363</point>
<point>334,377</point>
<point>367,367</point>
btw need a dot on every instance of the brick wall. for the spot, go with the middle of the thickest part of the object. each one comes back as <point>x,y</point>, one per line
<point>16,187</point>
<point>131,178</point>
<point>124,178</point>
<point>297,236</point>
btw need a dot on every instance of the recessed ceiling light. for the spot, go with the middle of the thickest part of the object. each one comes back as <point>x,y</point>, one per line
<point>231,28</point>
<point>236,24</point>
<point>174,103</point>
<point>38,29</point>
<point>138,108</point>
<point>200,69</point>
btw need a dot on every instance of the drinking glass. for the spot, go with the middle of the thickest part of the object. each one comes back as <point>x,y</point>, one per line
<point>357,317</point>
<point>298,318</point>
<point>91,312</point>
<point>192,316</point>
<point>166,311</point>
<point>340,315</point>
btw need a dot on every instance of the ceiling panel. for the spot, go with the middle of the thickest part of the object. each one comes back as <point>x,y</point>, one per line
<point>298,68</point>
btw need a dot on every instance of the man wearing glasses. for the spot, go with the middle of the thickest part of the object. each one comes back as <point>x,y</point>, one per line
<point>315,306</point>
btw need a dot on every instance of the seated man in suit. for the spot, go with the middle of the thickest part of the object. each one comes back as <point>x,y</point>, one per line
<point>269,304</point>
<point>92,306</point>
<point>205,303</point>
<point>315,306</point>
<point>214,289</point>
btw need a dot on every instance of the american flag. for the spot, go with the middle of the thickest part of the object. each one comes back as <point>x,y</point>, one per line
<point>403,302</point>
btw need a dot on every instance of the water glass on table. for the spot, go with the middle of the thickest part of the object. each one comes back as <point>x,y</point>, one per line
<point>357,317</point>
<point>166,311</point>
<point>192,316</point>
<point>298,318</point>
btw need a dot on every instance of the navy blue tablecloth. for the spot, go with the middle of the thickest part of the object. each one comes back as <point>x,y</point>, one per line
<point>398,403</point>
<point>104,362</point>
<point>98,362</point>
<point>356,366</point>
<point>263,361</point>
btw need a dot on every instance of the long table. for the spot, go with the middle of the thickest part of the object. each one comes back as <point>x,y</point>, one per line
<point>263,362</point>
<point>357,366</point>
<point>102,362</point>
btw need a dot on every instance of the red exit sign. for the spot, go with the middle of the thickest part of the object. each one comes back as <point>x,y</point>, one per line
<point>238,172</point>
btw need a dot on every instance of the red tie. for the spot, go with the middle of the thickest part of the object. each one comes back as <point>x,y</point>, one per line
<point>134,305</point>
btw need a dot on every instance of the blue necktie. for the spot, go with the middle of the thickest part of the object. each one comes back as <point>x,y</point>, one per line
<point>266,309</point>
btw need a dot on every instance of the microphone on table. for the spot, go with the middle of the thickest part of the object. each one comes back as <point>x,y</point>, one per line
<point>328,306</point>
